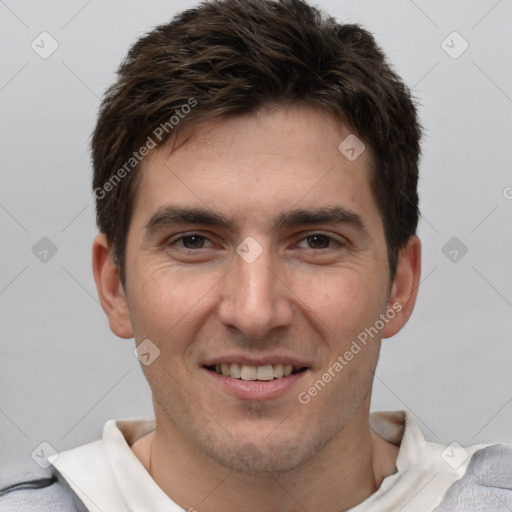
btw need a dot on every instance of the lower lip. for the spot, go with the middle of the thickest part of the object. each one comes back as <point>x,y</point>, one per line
<point>256,389</point>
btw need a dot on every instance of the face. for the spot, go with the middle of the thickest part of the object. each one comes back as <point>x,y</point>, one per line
<point>256,249</point>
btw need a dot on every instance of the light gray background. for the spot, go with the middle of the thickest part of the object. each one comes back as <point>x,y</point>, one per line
<point>63,373</point>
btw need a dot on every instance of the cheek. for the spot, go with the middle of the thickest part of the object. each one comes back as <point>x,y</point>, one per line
<point>342,302</point>
<point>166,301</point>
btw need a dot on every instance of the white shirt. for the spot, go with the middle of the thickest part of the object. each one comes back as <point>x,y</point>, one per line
<point>108,477</point>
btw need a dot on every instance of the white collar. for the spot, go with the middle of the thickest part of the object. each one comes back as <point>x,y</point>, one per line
<point>108,477</point>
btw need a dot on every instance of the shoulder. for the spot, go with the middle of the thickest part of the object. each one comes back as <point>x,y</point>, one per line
<point>486,484</point>
<point>23,489</point>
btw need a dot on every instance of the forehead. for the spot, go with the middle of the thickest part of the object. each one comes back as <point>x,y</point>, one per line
<point>251,166</point>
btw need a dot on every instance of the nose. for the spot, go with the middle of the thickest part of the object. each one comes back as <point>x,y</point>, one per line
<point>255,298</point>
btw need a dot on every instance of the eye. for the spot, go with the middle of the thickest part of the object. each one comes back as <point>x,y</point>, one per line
<point>319,241</point>
<point>191,241</point>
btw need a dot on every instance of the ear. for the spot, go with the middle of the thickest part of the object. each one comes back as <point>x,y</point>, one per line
<point>110,290</point>
<point>405,287</point>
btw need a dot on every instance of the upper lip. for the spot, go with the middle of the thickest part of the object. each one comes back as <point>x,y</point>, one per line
<point>256,361</point>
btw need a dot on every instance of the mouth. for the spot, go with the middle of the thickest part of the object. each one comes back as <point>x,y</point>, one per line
<point>247,372</point>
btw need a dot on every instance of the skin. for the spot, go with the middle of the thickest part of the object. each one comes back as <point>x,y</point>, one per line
<point>302,297</point>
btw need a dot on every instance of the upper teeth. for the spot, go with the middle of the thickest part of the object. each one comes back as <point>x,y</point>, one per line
<point>246,372</point>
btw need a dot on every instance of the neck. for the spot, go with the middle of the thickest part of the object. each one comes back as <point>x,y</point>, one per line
<point>343,474</point>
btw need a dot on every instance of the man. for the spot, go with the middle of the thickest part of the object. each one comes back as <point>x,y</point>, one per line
<point>255,172</point>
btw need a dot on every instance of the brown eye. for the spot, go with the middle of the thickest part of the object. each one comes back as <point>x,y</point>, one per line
<point>193,241</point>
<point>318,241</point>
<point>321,242</point>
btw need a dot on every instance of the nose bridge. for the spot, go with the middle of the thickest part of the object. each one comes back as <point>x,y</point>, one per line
<point>254,301</point>
<point>255,284</point>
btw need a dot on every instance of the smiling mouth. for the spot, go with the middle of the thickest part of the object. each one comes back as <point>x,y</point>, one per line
<point>248,372</point>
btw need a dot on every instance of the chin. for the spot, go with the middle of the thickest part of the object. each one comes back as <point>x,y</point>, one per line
<point>261,456</point>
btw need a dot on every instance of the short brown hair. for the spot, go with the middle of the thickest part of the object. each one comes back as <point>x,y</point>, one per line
<point>226,57</point>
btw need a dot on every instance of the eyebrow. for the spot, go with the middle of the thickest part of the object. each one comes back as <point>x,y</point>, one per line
<point>175,215</point>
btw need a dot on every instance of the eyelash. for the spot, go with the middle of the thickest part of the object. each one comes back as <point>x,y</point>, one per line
<point>331,239</point>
